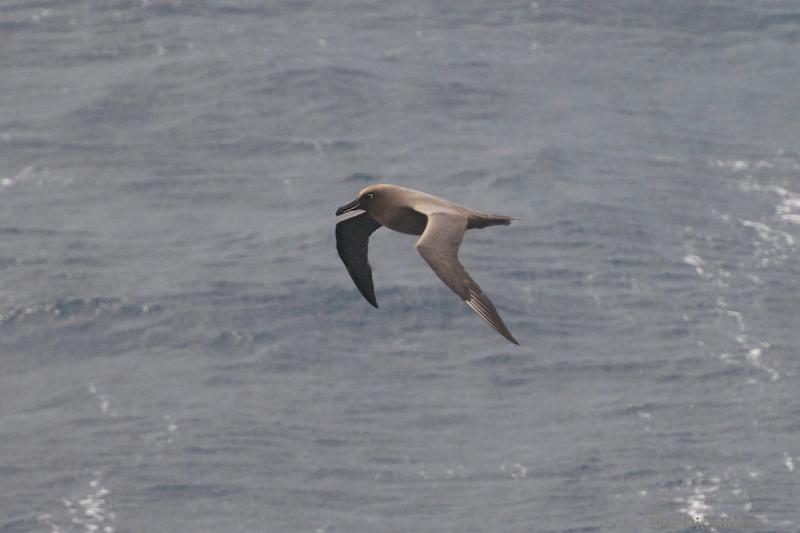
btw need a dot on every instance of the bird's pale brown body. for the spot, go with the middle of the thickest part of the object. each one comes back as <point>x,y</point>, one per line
<point>404,220</point>
<point>441,225</point>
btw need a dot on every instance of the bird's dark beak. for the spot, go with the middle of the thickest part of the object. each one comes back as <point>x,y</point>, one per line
<point>349,207</point>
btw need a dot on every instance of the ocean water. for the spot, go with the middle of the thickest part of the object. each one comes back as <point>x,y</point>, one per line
<point>181,349</point>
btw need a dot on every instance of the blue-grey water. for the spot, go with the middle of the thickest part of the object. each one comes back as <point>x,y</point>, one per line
<point>181,349</point>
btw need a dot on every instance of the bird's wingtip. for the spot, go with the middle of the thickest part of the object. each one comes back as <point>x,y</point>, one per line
<point>370,297</point>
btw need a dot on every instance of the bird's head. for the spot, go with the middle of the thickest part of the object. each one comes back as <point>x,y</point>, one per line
<point>371,199</point>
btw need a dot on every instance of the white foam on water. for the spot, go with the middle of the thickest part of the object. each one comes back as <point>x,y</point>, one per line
<point>514,470</point>
<point>21,176</point>
<point>696,505</point>
<point>172,427</point>
<point>713,273</point>
<point>754,357</point>
<point>88,513</point>
<point>738,165</point>
<point>788,207</point>
<point>752,348</point>
<point>93,513</point>
<point>47,521</point>
<point>707,491</point>
<point>788,461</point>
<point>697,262</point>
<point>771,244</point>
<point>102,400</point>
<point>458,472</point>
<point>735,314</point>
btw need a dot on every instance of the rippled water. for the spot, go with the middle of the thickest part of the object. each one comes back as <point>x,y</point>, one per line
<point>181,349</point>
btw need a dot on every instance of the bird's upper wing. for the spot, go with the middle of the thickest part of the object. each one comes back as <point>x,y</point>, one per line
<point>438,245</point>
<point>352,238</point>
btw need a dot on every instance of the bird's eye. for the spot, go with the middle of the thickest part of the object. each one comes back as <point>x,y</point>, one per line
<point>370,196</point>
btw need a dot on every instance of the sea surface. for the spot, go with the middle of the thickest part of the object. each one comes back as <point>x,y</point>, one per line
<point>181,349</point>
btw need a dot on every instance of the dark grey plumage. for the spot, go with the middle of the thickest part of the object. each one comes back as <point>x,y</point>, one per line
<point>352,239</point>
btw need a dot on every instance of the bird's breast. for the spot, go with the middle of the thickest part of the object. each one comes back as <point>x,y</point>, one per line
<point>403,220</point>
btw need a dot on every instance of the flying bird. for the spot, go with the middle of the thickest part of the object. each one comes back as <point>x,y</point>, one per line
<point>441,225</point>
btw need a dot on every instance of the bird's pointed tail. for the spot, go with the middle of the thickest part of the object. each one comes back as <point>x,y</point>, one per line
<point>482,220</point>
